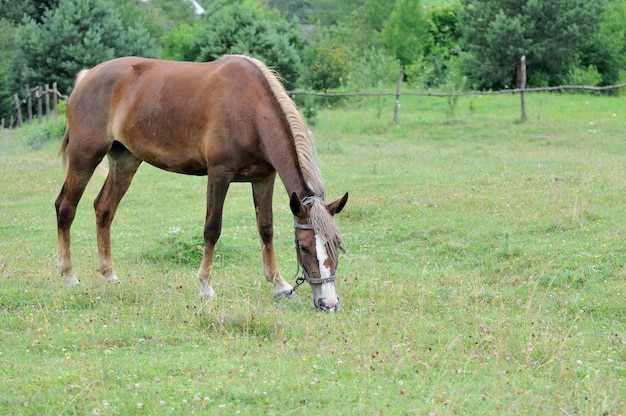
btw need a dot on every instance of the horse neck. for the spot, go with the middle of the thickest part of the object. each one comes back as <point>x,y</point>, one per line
<point>282,153</point>
<point>290,174</point>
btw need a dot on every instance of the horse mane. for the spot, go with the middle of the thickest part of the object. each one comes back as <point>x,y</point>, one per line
<point>303,138</point>
<point>325,226</point>
<point>323,223</point>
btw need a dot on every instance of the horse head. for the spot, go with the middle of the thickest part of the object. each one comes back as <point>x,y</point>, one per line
<point>318,242</point>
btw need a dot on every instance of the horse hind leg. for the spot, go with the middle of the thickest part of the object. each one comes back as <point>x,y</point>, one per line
<point>262,192</point>
<point>65,205</point>
<point>122,167</point>
<point>79,172</point>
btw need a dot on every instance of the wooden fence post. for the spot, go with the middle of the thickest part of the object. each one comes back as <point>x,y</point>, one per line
<point>18,111</point>
<point>398,88</point>
<point>29,104</point>
<point>55,102</point>
<point>47,92</point>
<point>38,93</point>
<point>523,86</point>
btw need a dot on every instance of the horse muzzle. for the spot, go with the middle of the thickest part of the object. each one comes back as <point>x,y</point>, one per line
<point>325,297</point>
<point>326,306</point>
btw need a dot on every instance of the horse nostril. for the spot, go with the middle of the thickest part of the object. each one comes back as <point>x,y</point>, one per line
<point>332,305</point>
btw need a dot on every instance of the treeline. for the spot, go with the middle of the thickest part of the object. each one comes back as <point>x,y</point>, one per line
<point>324,44</point>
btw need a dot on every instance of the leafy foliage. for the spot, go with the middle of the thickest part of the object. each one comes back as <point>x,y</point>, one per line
<point>552,35</point>
<point>318,12</point>
<point>323,44</point>
<point>81,34</point>
<point>326,62</point>
<point>6,52</point>
<point>444,36</point>
<point>608,50</point>
<point>243,28</point>
<point>156,16</point>
<point>406,31</point>
<point>15,10</point>
<point>351,54</point>
<point>375,68</point>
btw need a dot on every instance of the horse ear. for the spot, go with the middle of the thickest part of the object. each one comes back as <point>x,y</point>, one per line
<point>336,206</point>
<point>295,204</point>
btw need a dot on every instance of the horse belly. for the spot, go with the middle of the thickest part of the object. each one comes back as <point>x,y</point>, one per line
<point>173,157</point>
<point>165,139</point>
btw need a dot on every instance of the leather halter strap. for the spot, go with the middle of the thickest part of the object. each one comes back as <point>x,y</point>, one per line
<point>305,275</point>
<point>299,226</point>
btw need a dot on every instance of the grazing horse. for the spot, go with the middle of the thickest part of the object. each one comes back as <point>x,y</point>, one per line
<point>230,120</point>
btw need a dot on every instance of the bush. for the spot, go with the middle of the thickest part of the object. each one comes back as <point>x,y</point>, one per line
<point>246,28</point>
<point>584,76</point>
<point>45,133</point>
<point>374,69</point>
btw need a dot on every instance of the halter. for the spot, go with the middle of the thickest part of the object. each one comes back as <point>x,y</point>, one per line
<point>305,275</point>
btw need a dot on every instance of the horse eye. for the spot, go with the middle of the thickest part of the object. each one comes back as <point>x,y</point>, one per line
<point>305,250</point>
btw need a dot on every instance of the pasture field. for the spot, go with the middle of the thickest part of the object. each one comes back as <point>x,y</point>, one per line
<point>485,274</point>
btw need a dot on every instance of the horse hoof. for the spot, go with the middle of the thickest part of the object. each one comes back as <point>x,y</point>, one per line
<point>70,280</point>
<point>288,294</point>
<point>208,295</point>
<point>112,278</point>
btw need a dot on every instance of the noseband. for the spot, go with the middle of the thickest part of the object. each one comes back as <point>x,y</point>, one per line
<point>305,274</point>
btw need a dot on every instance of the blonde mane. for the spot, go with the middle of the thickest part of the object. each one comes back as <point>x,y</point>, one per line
<point>325,226</point>
<point>303,139</point>
<point>323,223</point>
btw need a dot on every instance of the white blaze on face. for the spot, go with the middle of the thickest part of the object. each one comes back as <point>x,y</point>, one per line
<point>328,289</point>
<point>322,256</point>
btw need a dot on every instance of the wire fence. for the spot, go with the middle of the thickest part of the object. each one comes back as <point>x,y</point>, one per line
<point>47,98</point>
<point>457,94</point>
<point>520,91</point>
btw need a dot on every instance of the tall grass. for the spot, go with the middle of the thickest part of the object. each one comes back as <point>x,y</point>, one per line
<point>484,275</point>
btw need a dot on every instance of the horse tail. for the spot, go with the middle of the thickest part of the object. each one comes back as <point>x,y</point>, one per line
<point>303,139</point>
<point>79,77</point>
<point>64,142</point>
<point>66,136</point>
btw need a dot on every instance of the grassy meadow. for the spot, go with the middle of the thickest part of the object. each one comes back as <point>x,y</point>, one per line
<point>485,274</point>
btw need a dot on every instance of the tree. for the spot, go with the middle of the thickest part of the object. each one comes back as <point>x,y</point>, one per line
<point>325,13</point>
<point>607,53</point>
<point>551,34</point>
<point>405,32</point>
<point>78,34</point>
<point>6,53</point>
<point>16,10</point>
<point>241,28</point>
<point>326,61</point>
<point>180,43</point>
<point>441,48</point>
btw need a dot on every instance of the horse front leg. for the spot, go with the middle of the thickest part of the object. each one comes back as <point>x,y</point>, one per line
<point>216,194</point>
<point>262,192</point>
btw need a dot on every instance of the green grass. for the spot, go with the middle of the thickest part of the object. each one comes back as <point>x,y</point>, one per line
<point>484,275</point>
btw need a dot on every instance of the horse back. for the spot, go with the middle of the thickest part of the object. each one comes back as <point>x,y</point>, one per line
<point>179,116</point>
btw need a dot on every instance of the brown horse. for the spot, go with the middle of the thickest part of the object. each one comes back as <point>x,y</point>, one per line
<point>231,120</point>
